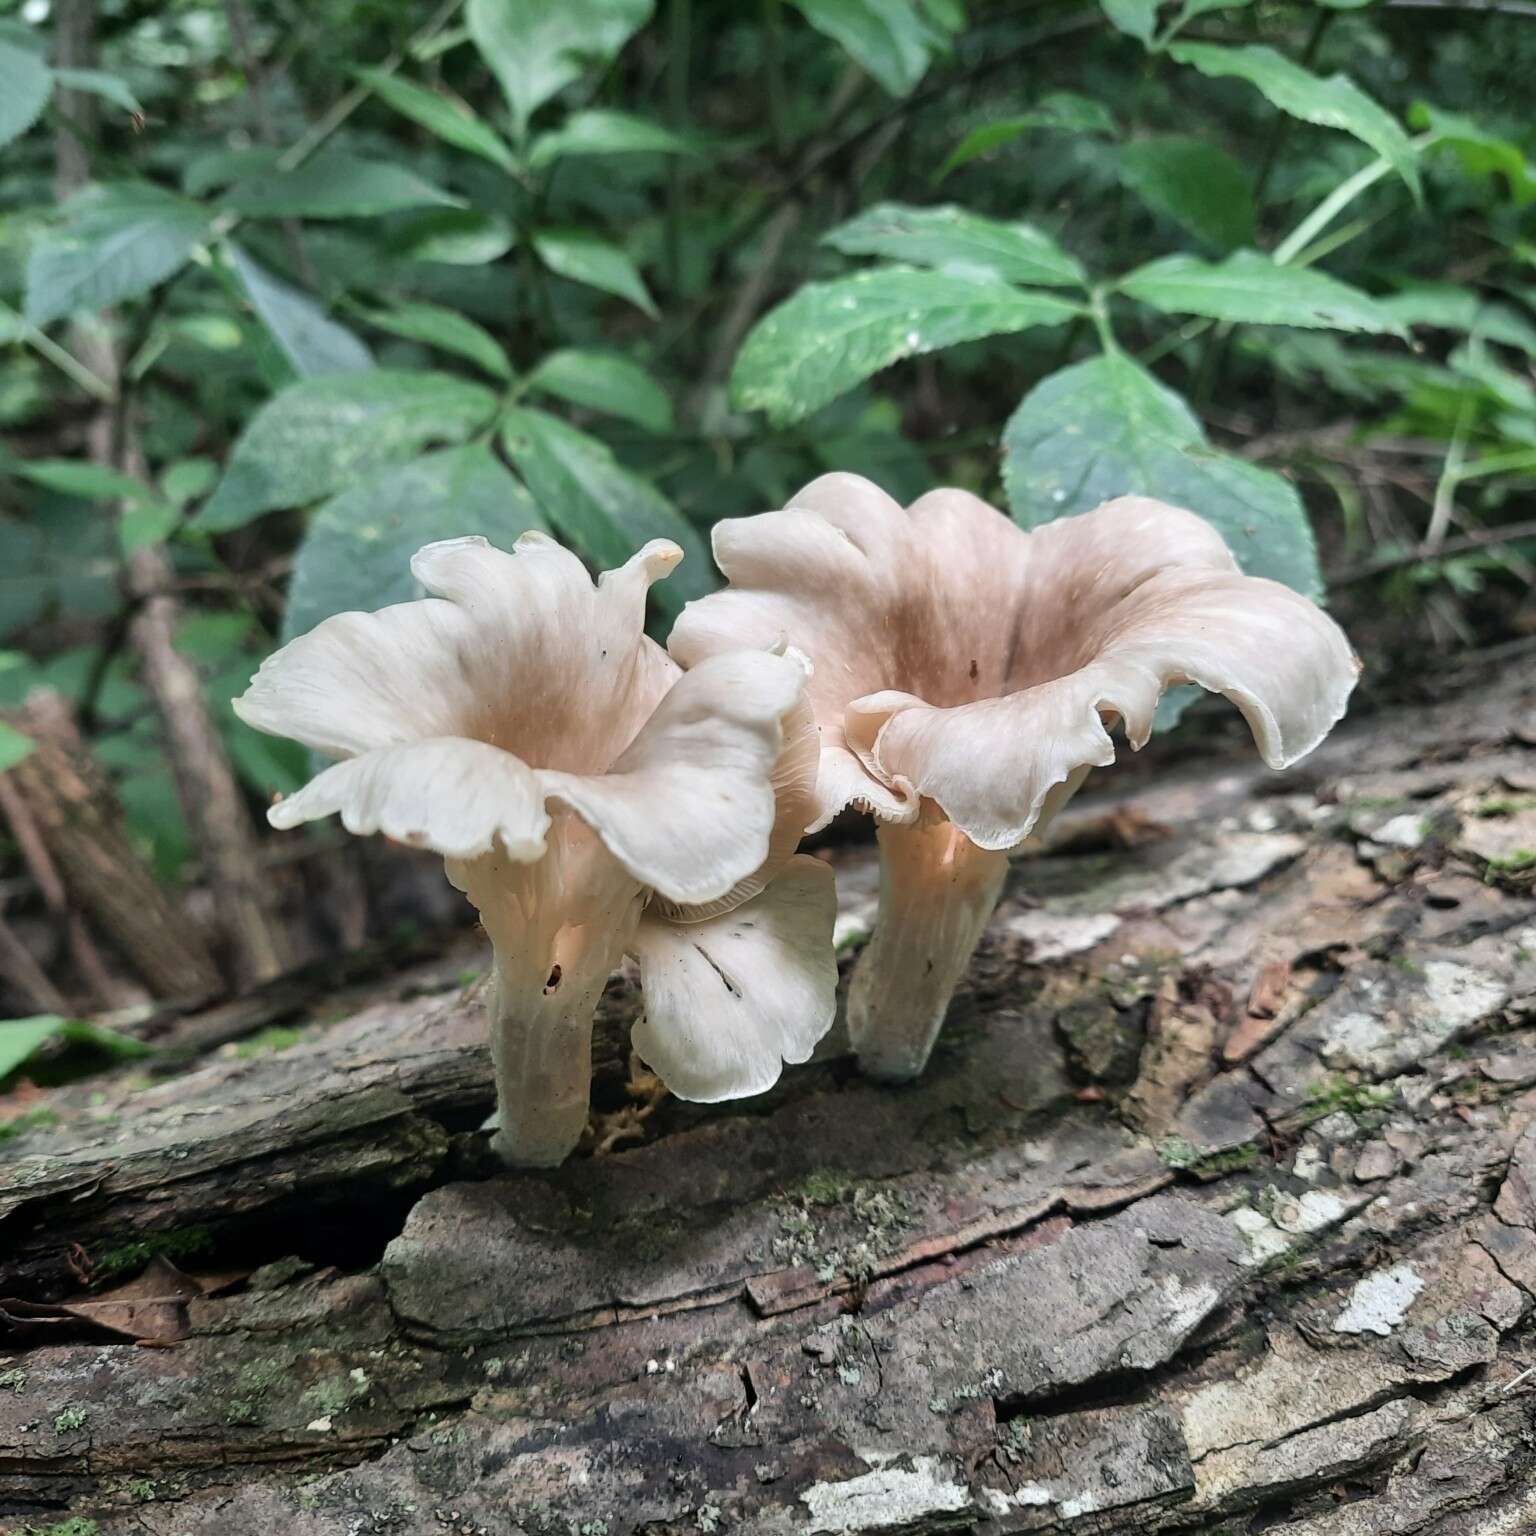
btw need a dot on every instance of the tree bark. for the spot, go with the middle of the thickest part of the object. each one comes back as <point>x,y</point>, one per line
<point>1214,1211</point>
<point>65,797</point>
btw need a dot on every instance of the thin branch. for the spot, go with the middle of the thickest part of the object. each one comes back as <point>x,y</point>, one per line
<point>1486,538</point>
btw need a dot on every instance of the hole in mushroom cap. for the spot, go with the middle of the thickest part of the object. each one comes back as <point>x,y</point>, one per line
<point>554,980</point>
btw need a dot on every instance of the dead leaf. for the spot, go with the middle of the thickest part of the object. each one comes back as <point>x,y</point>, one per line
<point>151,1308</point>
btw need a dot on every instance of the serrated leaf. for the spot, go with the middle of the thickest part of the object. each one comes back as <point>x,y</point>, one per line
<point>357,551</point>
<point>954,239</point>
<point>318,435</point>
<point>1481,153</point>
<point>1248,287</point>
<point>1136,18</point>
<point>219,167</point>
<point>584,258</point>
<point>605,381</point>
<point>1106,428</point>
<point>536,49</point>
<point>1448,307</point>
<point>1332,101</point>
<point>116,241</point>
<point>456,237</point>
<point>894,41</point>
<point>97,82</point>
<point>446,329</point>
<point>600,507</point>
<point>26,84</point>
<point>311,341</point>
<point>1198,186</point>
<point>448,118</point>
<point>830,336</point>
<point>1064,111</point>
<point>14,746</point>
<point>335,185</point>
<point>599,132</point>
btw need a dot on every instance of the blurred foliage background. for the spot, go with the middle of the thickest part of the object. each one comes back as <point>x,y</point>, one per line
<point>288,290</point>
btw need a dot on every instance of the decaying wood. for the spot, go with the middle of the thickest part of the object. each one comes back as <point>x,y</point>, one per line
<point>205,782</point>
<point>1099,1271</point>
<point>86,863</point>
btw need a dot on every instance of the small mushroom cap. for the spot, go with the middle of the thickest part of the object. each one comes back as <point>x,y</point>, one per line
<point>729,1000</point>
<point>963,658</point>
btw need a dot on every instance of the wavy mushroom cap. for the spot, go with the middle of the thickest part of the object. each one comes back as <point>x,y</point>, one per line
<point>963,658</point>
<point>519,682</point>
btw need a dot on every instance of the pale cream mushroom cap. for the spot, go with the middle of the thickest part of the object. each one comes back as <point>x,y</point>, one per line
<point>962,658</point>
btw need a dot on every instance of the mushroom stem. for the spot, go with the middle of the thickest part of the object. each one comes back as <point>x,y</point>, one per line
<point>541,1049</point>
<point>559,929</point>
<point>937,891</point>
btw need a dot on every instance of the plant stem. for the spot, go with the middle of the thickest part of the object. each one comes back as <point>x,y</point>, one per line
<point>678,44</point>
<point>937,892</point>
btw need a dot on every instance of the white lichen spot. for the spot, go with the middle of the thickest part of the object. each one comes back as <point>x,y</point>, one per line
<point>889,1497</point>
<point>1405,831</point>
<point>320,1426</point>
<point>1380,1301</point>
<point>1264,1240</point>
<point>1315,1211</point>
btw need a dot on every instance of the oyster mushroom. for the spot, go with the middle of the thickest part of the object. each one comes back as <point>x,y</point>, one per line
<point>591,800</point>
<point>967,675</point>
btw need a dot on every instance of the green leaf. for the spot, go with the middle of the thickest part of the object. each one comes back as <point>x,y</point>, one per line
<point>456,237</point>
<point>26,83</point>
<point>98,82</point>
<point>446,329</point>
<point>218,167</point>
<point>335,185</point>
<point>1481,153</point>
<point>116,242</point>
<point>311,341</point>
<point>1061,110</point>
<point>357,551</point>
<point>445,116</point>
<point>536,49</point>
<point>1198,186</point>
<point>830,336</point>
<point>1136,18</point>
<point>599,132</point>
<point>318,435</point>
<point>602,509</point>
<point>1332,101</point>
<point>605,381</point>
<point>20,1038</point>
<point>14,747</point>
<point>1249,287</point>
<point>894,41</point>
<point>953,239</point>
<point>1448,307</point>
<point>142,525</point>
<point>79,477</point>
<point>583,258</point>
<point>1106,428</point>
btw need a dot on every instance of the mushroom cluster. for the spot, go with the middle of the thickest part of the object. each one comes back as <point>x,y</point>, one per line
<point>595,797</point>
